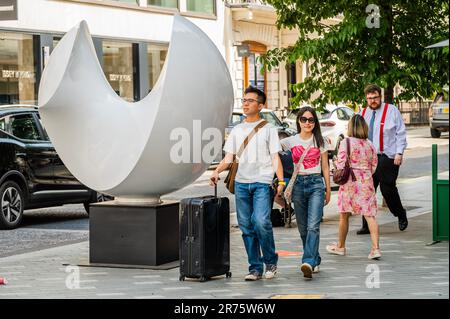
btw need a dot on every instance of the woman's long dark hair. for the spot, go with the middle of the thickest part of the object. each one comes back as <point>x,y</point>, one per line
<point>318,138</point>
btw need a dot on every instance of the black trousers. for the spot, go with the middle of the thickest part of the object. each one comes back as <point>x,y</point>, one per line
<point>385,176</point>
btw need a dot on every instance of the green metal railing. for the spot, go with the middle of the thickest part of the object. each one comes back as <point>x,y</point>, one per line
<point>440,201</point>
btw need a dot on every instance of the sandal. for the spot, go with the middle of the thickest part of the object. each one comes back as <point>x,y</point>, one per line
<point>375,253</point>
<point>333,249</point>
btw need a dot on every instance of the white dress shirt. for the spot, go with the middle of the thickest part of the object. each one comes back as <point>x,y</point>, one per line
<point>394,132</point>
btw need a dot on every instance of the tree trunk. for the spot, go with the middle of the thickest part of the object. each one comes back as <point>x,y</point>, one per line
<point>387,52</point>
<point>389,94</point>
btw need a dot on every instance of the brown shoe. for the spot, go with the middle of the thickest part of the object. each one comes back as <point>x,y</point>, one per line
<point>307,270</point>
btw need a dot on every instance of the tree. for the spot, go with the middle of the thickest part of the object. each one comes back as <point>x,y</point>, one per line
<point>380,42</point>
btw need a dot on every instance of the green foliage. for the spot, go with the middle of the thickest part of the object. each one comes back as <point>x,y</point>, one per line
<point>345,56</point>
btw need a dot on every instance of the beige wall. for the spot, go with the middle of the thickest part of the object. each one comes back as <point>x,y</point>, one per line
<point>261,28</point>
<point>266,35</point>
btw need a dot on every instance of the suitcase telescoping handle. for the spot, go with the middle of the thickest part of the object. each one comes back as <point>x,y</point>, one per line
<point>215,190</point>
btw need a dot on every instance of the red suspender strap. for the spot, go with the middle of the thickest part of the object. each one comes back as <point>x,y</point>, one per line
<point>383,118</point>
<point>364,111</point>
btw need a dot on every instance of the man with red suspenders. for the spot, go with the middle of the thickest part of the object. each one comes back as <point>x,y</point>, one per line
<point>388,134</point>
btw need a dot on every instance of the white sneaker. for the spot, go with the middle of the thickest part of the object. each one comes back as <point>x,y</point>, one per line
<point>271,271</point>
<point>374,254</point>
<point>253,276</point>
<point>316,269</point>
<point>306,270</point>
<point>333,249</point>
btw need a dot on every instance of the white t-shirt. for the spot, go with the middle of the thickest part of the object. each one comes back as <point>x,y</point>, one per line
<point>255,164</point>
<point>312,163</point>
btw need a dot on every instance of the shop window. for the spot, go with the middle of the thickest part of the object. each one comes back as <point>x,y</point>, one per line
<point>163,3</point>
<point>256,76</point>
<point>17,70</point>
<point>118,67</point>
<point>203,6</point>
<point>156,57</point>
<point>254,72</point>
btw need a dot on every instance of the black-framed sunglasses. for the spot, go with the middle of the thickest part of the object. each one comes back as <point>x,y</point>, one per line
<point>304,119</point>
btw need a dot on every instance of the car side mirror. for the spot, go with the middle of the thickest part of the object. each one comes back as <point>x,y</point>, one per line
<point>285,125</point>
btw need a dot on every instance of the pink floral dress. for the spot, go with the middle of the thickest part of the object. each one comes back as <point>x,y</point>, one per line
<point>358,197</point>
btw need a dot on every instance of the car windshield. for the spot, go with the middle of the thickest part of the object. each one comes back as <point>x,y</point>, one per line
<point>236,118</point>
<point>325,114</point>
<point>292,116</point>
<point>441,97</point>
<point>270,117</point>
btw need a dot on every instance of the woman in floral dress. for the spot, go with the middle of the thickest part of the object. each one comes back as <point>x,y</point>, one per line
<point>357,197</point>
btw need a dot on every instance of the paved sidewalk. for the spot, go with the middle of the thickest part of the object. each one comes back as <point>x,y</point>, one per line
<point>408,269</point>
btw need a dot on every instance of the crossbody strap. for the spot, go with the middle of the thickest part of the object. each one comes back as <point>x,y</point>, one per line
<point>249,137</point>
<point>348,151</point>
<point>348,160</point>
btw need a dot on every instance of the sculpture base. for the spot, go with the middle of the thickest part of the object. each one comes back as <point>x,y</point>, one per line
<point>133,235</point>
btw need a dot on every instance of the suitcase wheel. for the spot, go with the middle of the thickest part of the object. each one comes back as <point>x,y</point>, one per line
<point>203,279</point>
<point>182,278</point>
<point>228,274</point>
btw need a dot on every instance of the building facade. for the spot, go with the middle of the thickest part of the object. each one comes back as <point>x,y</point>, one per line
<point>254,32</point>
<point>131,38</point>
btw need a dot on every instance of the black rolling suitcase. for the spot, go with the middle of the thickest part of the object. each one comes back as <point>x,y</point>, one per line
<point>204,237</point>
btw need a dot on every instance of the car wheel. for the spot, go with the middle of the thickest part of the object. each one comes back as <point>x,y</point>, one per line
<point>435,133</point>
<point>11,205</point>
<point>98,198</point>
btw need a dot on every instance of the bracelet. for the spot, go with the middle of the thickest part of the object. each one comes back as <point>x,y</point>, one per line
<point>282,183</point>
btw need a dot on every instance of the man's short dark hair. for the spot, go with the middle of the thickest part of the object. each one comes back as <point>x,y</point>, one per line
<point>372,88</point>
<point>261,95</point>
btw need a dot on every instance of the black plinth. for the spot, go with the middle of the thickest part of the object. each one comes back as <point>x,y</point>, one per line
<point>135,235</point>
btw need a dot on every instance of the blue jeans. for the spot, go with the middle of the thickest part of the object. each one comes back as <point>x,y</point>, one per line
<point>253,207</point>
<point>308,197</point>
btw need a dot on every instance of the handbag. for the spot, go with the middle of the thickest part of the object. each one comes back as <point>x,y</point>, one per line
<point>341,176</point>
<point>229,180</point>
<point>290,187</point>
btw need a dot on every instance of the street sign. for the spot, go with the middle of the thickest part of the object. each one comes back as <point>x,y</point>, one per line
<point>243,50</point>
<point>8,10</point>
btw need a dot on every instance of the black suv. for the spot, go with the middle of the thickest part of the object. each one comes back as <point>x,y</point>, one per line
<point>31,173</point>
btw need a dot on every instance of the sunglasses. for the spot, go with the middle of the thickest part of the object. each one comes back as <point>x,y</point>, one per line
<point>307,119</point>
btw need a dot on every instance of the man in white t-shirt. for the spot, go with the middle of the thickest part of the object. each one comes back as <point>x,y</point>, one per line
<point>257,165</point>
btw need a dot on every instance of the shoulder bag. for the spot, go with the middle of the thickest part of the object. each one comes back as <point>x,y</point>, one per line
<point>341,176</point>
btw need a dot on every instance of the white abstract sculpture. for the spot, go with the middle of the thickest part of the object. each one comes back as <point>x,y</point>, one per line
<point>124,149</point>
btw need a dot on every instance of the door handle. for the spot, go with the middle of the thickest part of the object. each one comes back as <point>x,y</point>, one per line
<point>21,154</point>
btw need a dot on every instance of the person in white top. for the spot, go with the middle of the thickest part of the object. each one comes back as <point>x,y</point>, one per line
<point>387,132</point>
<point>257,165</point>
